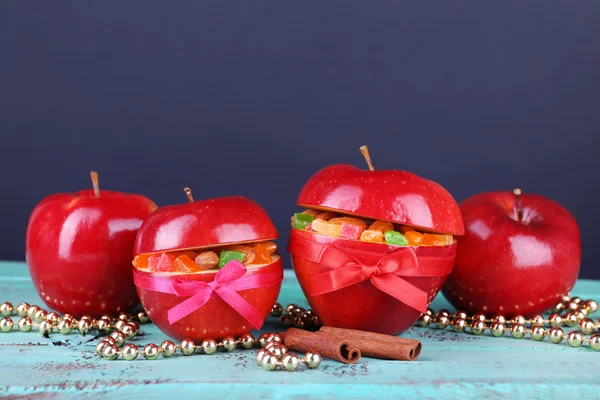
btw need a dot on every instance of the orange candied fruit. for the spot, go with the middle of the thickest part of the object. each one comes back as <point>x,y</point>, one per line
<point>382,226</point>
<point>430,239</point>
<point>261,255</point>
<point>184,263</point>
<point>141,261</point>
<point>326,228</point>
<point>372,236</point>
<point>414,238</point>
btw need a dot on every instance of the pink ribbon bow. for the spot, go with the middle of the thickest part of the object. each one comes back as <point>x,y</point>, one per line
<point>349,266</point>
<point>228,281</point>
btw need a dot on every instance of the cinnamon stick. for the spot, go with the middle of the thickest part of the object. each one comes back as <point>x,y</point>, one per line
<point>336,348</point>
<point>376,345</point>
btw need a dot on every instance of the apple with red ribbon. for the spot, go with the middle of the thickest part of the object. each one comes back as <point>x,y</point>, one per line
<point>519,256</point>
<point>374,286</point>
<point>212,303</point>
<point>79,248</point>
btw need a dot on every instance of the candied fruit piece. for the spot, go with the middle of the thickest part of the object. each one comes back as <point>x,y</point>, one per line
<point>349,220</point>
<point>393,237</point>
<point>372,236</point>
<point>414,238</point>
<point>300,220</point>
<point>314,213</point>
<point>141,261</point>
<point>326,228</point>
<point>183,263</point>
<point>270,246</point>
<point>382,226</point>
<point>430,239</point>
<point>247,250</point>
<point>189,253</point>
<point>403,228</point>
<point>261,254</point>
<point>326,215</point>
<point>351,231</point>
<point>227,256</point>
<point>161,263</point>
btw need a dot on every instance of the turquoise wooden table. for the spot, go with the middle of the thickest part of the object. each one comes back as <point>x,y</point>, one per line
<point>451,365</point>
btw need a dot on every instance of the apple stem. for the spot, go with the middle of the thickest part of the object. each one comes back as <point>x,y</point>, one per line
<point>517,193</point>
<point>95,183</point>
<point>365,152</point>
<point>188,194</point>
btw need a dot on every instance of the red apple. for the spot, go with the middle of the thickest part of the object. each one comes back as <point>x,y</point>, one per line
<point>79,249</point>
<point>514,262</point>
<point>206,224</point>
<point>390,195</point>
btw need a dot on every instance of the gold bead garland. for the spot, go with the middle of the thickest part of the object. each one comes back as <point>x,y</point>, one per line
<point>537,327</point>
<point>296,316</point>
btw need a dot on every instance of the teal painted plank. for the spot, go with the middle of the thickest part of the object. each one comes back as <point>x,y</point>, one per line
<point>451,364</point>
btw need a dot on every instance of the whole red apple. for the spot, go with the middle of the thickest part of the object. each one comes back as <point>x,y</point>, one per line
<point>206,224</point>
<point>520,254</point>
<point>389,195</point>
<point>79,249</point>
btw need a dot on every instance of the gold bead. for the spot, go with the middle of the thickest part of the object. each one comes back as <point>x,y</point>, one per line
<point>88,319</point>
<point>290,308</point>
<point>538,320</point>
<point>459,325</point>
<point>119,324</point>
<point>110,340</point>
<point>103,326</point>
<point>575,338</point>
<point>188,347</point>
<point>130,352</point>
<point>31,311</point>
<point>443,312</point>
<point>45,327</point>
<point>68,316</point>
<point>124,317</point>
<point>518,331</point>
<point>580,315</point>
<point>290,361</point>
<point>142,317</point>
<point>65,326</point>
<point>430,312</point>
<point>276,310</point>
<point>107,318</point>
<point>6,324</point>
<point>313,360</point>
<point>150,351</point>
<point>519,319</point>
<point>119,337</point>
<point>497,329</point>
<point>22,309</point>
<point>586,326</point>
<point>479,317</point>
<point>576,300</point>
<point>555,320</point>
<point>40,316</point>
<point>571,305</point>
<point>556,334</point>
<point>591,306</point>
<point>209,346</point>
<point>84,326</point>
<point>100,346</point>
<point>570,319</point>
<point>168,348</point>
<point>260,354</point>
<point>110,352</point>
<point>595,342</point>
<point>247,341</point>
<point>128,330</point>
<point>538,332</point>
<point>461,314</point>
<point>558,308</point>
<point>273,337</point>
<point>441,321</point>
<point>262,339</point>
<point>500,319</point>
<point>424,320</point>
<point>135,325</point>
<point>269,362</point>
<point>6,309</point>
<point>228,343</point>
<point>25,324</point>
<point>53,317</point>
<point>278,350</point>
<point>477,327</point>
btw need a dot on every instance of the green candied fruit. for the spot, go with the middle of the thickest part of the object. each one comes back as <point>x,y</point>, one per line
<point>227,256</point>
<point>393,237</point>
<point>302,220</point>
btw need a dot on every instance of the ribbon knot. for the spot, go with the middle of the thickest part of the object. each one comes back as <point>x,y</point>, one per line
<point>227,283</point>
<point>349,266</point>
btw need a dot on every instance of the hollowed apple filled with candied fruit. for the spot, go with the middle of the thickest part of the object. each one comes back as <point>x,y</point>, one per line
<point>372,248</point>
<point>199,265</point>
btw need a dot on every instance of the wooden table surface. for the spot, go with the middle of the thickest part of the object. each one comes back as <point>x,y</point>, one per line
<point>451,364</point>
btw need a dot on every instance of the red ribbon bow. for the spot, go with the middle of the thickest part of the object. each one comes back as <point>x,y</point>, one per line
<point>228,281</point>
<point>349,266</point>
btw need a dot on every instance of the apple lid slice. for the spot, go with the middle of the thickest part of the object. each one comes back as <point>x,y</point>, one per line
<point>204,223</point>
<point>390,195</point>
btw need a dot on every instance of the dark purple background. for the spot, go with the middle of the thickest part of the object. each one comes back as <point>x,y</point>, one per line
<point>253,97</point>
